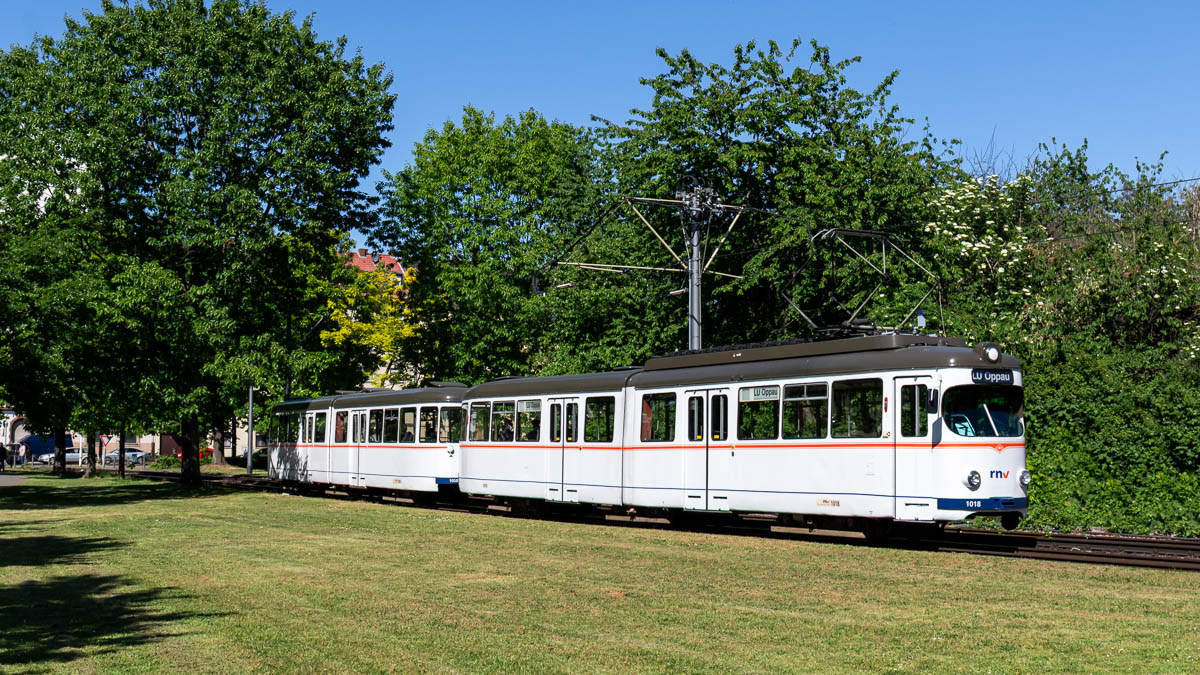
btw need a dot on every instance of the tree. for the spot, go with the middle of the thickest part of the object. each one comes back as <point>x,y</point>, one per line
<point>212,153</point>
<point>1089,277</point>
<point>793,139</point>
<point>372,312</point>
<point>482,212</point>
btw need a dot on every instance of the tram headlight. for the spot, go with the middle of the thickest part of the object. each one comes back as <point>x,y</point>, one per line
<point>974,480</point>
<point>1026,478</point>
<point>992,353</point>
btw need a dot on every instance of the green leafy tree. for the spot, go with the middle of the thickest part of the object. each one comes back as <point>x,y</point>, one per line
<point>482,212</point>
<point>791,138</point>
<point>1089,277</point>
<point>212,153</point>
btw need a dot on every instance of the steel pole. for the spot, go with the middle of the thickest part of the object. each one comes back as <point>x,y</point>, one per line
<point>250,435</point>
<point>694,254</point>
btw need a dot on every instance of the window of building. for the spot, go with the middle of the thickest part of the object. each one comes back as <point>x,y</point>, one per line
<point>758,413</point>
<point>658,417</point>
<point>529,420</point>
<point>858,408</point>
<point>600,414</point>
<point>805,411</point>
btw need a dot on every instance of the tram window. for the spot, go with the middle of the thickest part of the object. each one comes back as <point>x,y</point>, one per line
<point>339,427</point>
<point>758,413</point>
<point>408,425</point>
<point>695,418</point>
<point>858,408</point>
<point>503,421</point>
<point>360,427</point>
<point>429,418</point>
<point>391,425</point>
<point>308,434</point>
<point>572,422</point>
<point>805,411</point>
<point>450,425</point>
<point>658,417</point>
<point>984,410</point>
<point>319,428</point>
<point>599,417</point>
<point>293,428</point>
<point>914,421</point>
<point>556,422</point>
<point>375,426</point>
<point>480,414</point>
<point>720,415</point>
<point>529,420</point>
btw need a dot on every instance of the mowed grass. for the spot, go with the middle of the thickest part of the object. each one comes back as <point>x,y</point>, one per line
<point>103,575</point>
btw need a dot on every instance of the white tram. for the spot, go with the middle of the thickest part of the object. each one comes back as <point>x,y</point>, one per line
<point>397,440</point>
<point>843,433</point>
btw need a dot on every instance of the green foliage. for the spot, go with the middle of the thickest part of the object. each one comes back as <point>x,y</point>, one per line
<point>482,212</point>
<point>180,175</point>
<point>1089,277</point>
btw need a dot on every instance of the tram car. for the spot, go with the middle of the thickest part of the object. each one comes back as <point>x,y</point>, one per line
<point>852,433</point>
<point>395,440</point>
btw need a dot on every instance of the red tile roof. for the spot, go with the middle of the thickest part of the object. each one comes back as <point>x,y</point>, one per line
<point>369,262</point>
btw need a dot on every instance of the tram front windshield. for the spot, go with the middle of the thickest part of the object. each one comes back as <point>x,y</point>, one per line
<point>984,410</point>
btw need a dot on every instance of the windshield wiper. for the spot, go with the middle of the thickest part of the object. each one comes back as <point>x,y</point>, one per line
<point>989,419</point>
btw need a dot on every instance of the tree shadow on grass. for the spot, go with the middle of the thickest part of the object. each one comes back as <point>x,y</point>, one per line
<point>51,494</point>
<point>51,549</point>
<point>55,620</point>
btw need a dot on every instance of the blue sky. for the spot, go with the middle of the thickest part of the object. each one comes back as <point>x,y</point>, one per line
<point>1121,74</point>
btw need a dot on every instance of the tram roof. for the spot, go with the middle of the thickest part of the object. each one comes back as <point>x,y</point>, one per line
<point>446,394</point>
<point>553,384</point>
<point>771,352</point>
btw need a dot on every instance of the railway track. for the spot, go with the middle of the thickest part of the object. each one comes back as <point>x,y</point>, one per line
<point>1105,549</point>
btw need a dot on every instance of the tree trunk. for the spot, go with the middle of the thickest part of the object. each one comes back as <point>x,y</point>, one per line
<point>90,469</point>
<point>60,451</point>
<point>189,471</point>
<point>233,424</point>
<point>218,457</point>
<point>121,453</point>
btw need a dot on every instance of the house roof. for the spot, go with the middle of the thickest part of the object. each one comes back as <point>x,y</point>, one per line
<point>369,262</point>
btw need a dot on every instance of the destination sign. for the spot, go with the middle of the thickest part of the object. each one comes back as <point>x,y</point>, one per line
<point>985,376</point>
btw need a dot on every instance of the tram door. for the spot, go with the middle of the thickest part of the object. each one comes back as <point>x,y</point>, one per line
<point>707,451</point>
<point>562,459</point>
<point>358,445</point>
<point>914,447</point>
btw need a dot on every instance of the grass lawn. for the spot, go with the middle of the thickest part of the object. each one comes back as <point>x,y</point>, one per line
<point>103,575</point>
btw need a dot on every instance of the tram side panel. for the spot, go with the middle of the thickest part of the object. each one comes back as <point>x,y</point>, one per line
<point>286,456</point>
<point>496,459</point>
<point>653,467</point>
<point>811,446</point>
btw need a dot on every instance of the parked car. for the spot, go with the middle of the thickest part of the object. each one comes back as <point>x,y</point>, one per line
<point>131,456</point>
